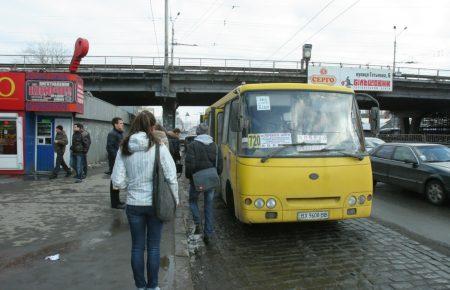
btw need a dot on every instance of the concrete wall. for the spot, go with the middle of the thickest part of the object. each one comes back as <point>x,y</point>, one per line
<point>97,121</point>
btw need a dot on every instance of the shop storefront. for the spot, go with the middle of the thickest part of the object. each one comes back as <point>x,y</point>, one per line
<point>51,100</point>
<point>12,114</point>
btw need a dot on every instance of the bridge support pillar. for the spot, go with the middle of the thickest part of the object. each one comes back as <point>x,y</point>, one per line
<point>404,125</point>
<point>170,106</point>
<point>415,125</point>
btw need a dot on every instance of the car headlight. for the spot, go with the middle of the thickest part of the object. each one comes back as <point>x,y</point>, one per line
<point>352,200</point>
<point>361,199</point>
<point>271,203</point>
<point>259,203</point>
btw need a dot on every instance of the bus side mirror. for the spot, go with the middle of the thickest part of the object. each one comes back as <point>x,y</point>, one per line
<point>234,117</point>
<point>374,120</point>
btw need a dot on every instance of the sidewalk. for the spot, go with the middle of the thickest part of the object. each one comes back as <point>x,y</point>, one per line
<point>46,217</point>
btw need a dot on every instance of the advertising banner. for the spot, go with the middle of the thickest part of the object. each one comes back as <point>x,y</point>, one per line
<point>54,92</point>
<point>12,91</point>
<point>359,79</point>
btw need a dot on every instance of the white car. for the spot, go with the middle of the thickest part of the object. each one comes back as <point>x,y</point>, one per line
<point>371,143</point>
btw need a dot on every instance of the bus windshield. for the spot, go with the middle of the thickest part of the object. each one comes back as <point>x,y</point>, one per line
<point>307,123</point>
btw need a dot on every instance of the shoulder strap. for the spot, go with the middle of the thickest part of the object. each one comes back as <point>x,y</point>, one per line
<point>156,163</point>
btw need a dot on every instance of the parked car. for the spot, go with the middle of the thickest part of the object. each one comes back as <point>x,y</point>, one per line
<point>423,168</point>
<point>372,142</point>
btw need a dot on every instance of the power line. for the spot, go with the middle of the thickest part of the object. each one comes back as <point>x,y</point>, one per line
<point>301,28</point>
<point>211,10</point>
<point>323,27</point>
<point>154,27</point>
<point>224,24</point>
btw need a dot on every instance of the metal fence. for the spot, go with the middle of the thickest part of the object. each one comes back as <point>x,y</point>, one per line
<point>24,62</point>
<point>416,138</point>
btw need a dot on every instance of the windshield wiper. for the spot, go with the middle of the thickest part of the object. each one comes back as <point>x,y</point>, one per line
<point>284,146</point>
<point>360,157</point>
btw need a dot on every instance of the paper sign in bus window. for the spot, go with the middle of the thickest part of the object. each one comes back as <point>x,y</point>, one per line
<point>312,142</point>
<point>268,140</point>
<point>312,139</point>
<point>263,103</point>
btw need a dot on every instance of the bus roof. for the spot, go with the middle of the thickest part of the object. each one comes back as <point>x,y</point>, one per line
<point>279,86</point>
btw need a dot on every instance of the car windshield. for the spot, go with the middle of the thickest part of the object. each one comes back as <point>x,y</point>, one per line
<point>434,153</point>
<point>309,120</point>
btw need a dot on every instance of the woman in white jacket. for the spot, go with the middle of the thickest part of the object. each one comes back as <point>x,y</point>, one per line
<point>133,170</point>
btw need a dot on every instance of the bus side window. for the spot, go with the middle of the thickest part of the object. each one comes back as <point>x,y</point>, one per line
<point>225,124</point>
<point>219,127</point>
<point>232,136</point>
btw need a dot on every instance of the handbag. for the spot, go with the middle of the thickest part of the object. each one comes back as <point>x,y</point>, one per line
<point>208,178</point>
<point>163,199</point>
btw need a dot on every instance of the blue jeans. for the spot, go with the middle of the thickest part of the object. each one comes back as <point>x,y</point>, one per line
<point>208,208</point>
<point>143,219</point>
<point>76,161</point>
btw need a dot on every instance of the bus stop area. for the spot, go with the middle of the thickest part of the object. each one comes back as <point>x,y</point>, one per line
<point>42,218</point>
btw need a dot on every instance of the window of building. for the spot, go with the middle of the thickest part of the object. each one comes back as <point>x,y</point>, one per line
<point>8,137</point>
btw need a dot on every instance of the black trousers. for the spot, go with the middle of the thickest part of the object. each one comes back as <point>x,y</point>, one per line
<point>111,161</point>
<point>60,162</point>
<point>114,194</point>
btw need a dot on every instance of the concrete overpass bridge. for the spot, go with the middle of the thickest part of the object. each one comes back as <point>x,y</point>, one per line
<point>128,80</point>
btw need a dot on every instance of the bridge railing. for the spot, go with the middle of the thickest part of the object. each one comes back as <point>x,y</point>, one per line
<point>417,138</point>
<point>101,63</point>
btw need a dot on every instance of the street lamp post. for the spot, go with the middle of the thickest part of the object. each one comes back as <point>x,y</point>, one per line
<point>395,44</point>
<point>306,56</point>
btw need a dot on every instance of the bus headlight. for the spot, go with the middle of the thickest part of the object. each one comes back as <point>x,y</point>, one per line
<point>259,203</point>
<point>361,199</point>
<point>271,203</point>
<point>352,200</point>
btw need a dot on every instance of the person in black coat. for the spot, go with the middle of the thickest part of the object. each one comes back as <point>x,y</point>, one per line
<point>202,153</point>
<point>112,146</point>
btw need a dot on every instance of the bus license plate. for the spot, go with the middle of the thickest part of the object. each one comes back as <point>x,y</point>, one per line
<point>312,215</point>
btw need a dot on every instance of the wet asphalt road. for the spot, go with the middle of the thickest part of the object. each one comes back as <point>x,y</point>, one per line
<point>352,254</point>
<point>40,218</point>
<point>412,214</point>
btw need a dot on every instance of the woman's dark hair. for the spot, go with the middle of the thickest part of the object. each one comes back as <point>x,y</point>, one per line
<point>143,122</point>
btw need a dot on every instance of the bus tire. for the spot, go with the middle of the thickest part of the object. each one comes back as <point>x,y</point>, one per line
<point>230,199</point>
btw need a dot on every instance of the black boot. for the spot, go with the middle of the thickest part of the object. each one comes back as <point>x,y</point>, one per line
<point>53,176</point>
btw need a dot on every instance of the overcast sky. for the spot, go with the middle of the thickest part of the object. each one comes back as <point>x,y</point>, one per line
<point>249,29</point>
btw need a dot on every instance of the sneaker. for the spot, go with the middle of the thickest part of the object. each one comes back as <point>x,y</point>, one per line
<point>197,230</point>
<point>83,177</point>
<point>108,172</point>
<point>78,181</point>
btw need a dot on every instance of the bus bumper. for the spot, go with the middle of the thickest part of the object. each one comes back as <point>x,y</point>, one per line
<point>280,216</point>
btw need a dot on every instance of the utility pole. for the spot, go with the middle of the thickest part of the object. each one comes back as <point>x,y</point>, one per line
<point>166,36</point>
<point>395,45</point>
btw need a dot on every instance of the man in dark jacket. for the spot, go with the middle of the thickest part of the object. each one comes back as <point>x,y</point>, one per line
<point>202,153</point>
<point>79,143</point>
<point>112,146</point>
<point>86,146</point>
<point>174,147</point>
<point>59,146</point>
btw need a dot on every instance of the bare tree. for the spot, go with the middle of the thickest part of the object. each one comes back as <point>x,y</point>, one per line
<point>47,52</point>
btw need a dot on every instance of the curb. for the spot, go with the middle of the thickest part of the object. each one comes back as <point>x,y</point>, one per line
<point>183,275</point>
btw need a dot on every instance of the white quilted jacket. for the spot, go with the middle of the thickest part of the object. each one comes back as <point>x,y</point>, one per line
<point>135,172</point>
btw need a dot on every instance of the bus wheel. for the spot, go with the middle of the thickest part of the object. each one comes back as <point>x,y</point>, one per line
<point>230,199</point>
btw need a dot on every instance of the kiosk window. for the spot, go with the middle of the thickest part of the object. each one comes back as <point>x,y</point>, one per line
<point>8,137</point>
<point>44,133</point>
